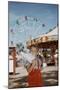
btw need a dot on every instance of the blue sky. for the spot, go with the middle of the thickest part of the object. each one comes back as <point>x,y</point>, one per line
<point>44,13</point>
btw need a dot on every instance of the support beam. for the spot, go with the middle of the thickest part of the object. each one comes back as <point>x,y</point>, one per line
<point>14,61</point>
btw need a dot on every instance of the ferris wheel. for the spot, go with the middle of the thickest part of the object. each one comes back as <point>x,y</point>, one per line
<point>26,24</point>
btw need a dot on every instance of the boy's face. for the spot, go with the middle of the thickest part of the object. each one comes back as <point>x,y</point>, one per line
<point>34,50</point>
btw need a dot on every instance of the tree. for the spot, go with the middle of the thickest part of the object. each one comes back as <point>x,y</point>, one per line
<point>20,47</point>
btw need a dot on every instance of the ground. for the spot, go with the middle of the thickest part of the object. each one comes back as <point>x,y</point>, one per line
<point>49,75</point>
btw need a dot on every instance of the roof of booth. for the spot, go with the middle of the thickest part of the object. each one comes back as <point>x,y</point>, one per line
<point>52,38</point>
<point>12,45</point>
<point>54,31</point>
